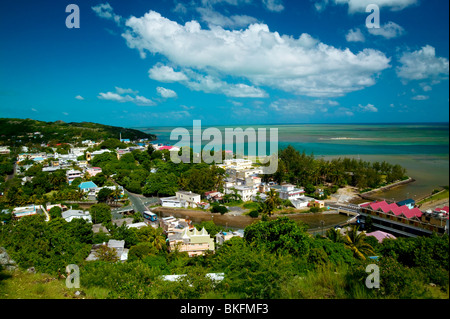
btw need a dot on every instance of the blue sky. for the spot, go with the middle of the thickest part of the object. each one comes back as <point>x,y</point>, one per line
<point>166,63</point>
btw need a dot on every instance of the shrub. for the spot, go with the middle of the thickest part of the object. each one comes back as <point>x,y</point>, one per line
<point>254,213</point>
<point>55,212</point>
<point>216,208</point>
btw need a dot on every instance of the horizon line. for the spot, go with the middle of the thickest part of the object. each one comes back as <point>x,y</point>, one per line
<point>267,124</point>
<point>356,123</point>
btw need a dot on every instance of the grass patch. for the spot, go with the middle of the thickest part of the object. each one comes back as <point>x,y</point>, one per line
<point>326,282</point>
<point>22,285</point>
<point>444,194</point>
<point>250,206</point>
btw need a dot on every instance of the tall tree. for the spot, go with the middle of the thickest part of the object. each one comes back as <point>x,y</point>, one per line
<point>355,240</point>
<point>273,201</point>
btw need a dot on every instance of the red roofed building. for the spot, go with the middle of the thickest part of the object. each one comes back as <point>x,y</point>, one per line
<point>442,210</point>
<point>403,221</point>
<point>400,210</point>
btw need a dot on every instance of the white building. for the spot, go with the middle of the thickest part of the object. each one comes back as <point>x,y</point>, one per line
<point>137,225</point>
<point>245,192</point>
<point>224,236</point>
<point>289,191</point>
<point>244,174</point>
<point>70,214</point>
<point>238,163</point>
<point>182,199</point>
<point>90,156</point>
<point>301,202</point>
<point>4,150</point>
<point>172,202</point>
<point>117,245</point>
<point>66,157</point>
<point>172,225</point>
<point>78,151</point>
<point>72,174</point>
<point>29,210</point>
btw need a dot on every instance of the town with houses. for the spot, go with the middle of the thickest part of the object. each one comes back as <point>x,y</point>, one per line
<point>243,178</point>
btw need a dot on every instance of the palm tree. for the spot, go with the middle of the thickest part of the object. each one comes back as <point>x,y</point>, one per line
<point>273,201</point>
<point>335,235</point>
<point>356,242</point>
<point>264,208</point>
<point>116,194</point>
<point>159,242</point>
<point>236,197</point>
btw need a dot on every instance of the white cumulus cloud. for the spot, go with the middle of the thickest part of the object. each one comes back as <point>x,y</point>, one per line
<point>104,10</point>
<point>273,5</point>
<point>355,35</point>
<point>214,18</point>
<point>420,97</point>
<point>166,74</point>
<point>389,30</point>
<point>303,65</point>
<point>423,64</point>
<point>368,108</point>
<point>119,96</point>
<point>166,93</point>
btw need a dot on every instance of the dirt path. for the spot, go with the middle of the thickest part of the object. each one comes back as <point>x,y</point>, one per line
<point>347,194</point>
<point>434,204</point>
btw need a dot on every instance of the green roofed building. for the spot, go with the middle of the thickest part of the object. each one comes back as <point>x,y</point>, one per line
<point>194,242</point>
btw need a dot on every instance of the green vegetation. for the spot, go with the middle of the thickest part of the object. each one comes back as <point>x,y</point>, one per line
<point>439,195</point>
<point>275,259</point>
<point>299,169</point>
<point>23,285</point>
<point>217,208</point>
<point>43,188</point>
<point>13,131</point>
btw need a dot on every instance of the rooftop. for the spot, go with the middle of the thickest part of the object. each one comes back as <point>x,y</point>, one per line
<point>381,235</point>
<point>395,209</point>
<point>406,202</point>
<point>86,185</point>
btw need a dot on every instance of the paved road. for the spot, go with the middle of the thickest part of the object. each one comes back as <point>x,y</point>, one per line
<point>136,202</point>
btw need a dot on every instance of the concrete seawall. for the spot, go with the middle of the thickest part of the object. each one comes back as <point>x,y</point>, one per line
<point>371,195</point>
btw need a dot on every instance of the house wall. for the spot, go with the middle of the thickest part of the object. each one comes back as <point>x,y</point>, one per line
<point>171,203</point>
<point>190,197</point>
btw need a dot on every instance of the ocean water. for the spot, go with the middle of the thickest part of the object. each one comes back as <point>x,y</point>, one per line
<point>423,149</point>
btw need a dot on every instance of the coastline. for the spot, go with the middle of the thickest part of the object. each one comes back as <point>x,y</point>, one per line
<point>374,193</point>
<point>428,171</point>
<point>419,147</point>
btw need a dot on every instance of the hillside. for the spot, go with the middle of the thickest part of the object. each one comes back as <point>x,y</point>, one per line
<point>22,131</point>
